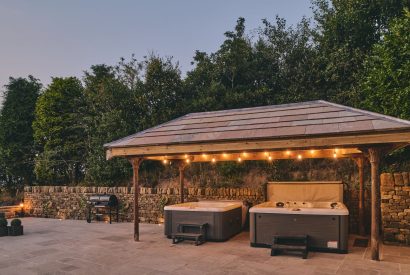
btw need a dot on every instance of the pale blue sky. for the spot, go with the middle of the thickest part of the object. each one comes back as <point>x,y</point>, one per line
<point>62,38</point>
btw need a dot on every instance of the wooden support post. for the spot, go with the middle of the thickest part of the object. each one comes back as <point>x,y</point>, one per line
<point>360,165</point>
<point>136,162</point>
<point>374,157</point>
<point>181,166</point>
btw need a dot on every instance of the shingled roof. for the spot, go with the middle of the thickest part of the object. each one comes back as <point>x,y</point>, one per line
<point>313,118</point>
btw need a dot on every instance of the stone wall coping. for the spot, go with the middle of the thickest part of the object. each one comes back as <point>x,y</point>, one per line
<point>143,190</point>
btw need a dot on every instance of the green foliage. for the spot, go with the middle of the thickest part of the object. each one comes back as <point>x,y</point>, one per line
<point>112,113</point>
<point>346,32</point>
<point>16,134</point>
<point>3,222</point>
<point>15,223</point>
<point>160,94</point>
<point>59,132</point>
<point>386,78</point>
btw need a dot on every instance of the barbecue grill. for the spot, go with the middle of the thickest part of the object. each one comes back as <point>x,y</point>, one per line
<point>100,204</point>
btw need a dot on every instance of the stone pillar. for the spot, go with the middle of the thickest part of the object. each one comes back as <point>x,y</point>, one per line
<point>374,157</point>
<point>136,162</point>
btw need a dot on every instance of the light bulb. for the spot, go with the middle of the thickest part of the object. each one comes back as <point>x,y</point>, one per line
<point>299,157</point>
<point>239,159</point>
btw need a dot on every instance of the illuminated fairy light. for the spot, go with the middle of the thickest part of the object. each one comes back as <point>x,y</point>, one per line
<point>224,155</point>
<point>165,161</point>
<point>270,158</point>
<point>336,150</point>
<point>188,160</point>
<point>288,152</point>
<point>266,153</point>
<point>244,154</point>
<point>213,160</point>
<point>312,151</point>
<point>299,157</point>
<point>239,159</point>
<point>186,156</point>
<point>204,155</point>
<point>335,155</point>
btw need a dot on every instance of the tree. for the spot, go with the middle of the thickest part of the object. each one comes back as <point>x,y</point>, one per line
<point>386,77</point>
<point>16,133</point>
<point>160,93</point>
<point>59,132</point>
<point>112,113</point>
<point>346,32</point>
<point>386,80</point>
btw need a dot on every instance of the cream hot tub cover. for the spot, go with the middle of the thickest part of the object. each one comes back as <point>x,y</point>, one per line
<point>305,191</point>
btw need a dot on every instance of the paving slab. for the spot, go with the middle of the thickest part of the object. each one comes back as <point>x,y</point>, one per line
<point>52,246</point>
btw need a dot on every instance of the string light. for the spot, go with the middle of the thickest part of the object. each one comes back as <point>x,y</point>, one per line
<point>204,155</point>
<point>270,158</point>
<point>288,152</point>
<point>244,154</point>
<point>299,157</point>
<point>312,151</point>
<point>213,160</point>
<point>266,153</point>
<point>186,156</point>
<point>224,155</point>
<point>165,161</point>
<point>336,150</point>
<point>239,159</point>
<point>188,160</point>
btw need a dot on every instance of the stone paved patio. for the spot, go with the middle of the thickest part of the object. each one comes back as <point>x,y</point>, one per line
<point>75,247</point>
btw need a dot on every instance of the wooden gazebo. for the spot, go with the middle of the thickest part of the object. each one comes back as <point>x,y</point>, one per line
<point>316,129</point>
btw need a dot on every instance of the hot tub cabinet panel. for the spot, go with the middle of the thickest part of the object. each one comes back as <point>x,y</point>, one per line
<point>221,225</point>
<point>326,232</point>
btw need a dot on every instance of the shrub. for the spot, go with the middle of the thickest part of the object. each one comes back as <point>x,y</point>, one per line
<point>15,222</point>
<point>3,222</point>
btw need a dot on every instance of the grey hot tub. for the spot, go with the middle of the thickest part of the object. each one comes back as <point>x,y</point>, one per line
<point>326,227</point>
<point>224,218</point>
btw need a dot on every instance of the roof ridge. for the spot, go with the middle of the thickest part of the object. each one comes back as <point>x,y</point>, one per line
<point>374,114</point>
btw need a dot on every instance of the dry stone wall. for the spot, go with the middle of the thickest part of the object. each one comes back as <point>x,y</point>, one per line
<point>71,202</point>
<point>395,203</point>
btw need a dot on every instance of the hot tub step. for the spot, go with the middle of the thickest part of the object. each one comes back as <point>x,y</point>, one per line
<point>198,236</point>
<point>179,237</point>
<point>290,244</point>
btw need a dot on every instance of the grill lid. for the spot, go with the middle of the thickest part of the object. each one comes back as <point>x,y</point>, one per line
<point>103,199</point>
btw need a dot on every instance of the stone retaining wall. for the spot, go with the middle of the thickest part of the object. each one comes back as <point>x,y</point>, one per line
<point>70,202</point>
<point>395,203</point>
